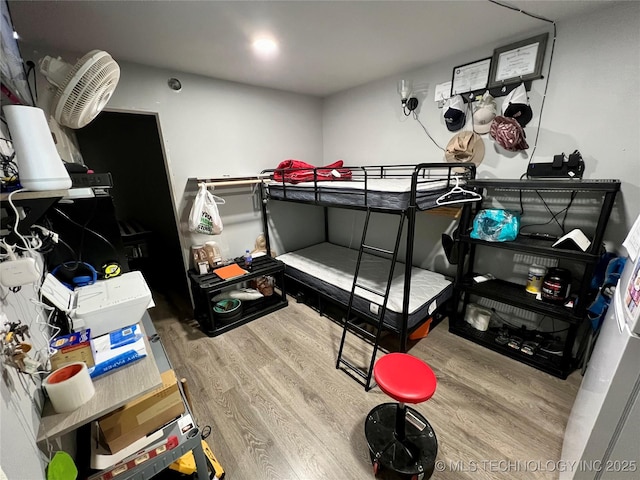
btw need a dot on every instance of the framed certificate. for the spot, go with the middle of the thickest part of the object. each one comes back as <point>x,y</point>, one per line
<point>470,79</point>
<point>518,62</point>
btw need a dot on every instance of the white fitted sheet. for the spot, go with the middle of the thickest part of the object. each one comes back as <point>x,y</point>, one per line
<point>335,265</point>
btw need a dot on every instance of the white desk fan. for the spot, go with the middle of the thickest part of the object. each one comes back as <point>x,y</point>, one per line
<point>83,89</point>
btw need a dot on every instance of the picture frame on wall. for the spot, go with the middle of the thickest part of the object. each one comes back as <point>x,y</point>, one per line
<point>518,62</point>
<point>470,79</point>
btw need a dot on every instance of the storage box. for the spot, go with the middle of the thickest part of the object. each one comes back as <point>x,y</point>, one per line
<point>143,415</point>
<point>75,347</point>
<point>103,306</point>
<point>117,349</point>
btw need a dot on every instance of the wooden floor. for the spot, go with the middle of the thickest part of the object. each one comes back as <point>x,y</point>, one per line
<point>278,408</point>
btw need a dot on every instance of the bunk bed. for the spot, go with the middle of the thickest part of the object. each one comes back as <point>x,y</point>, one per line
<point>330,270</point>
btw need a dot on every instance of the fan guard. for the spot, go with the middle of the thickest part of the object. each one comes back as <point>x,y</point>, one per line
<point>83,89</point>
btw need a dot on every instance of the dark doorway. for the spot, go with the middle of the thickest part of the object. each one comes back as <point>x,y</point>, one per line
<point>128,145</point>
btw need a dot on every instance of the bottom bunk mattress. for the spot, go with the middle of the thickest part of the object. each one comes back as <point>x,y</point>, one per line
<point>330,268</point>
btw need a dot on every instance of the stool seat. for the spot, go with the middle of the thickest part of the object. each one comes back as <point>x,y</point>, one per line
<point>405,378</point>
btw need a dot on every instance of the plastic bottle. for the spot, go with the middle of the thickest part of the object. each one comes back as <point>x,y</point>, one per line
<point>248,260</point>
<point>535,277</point>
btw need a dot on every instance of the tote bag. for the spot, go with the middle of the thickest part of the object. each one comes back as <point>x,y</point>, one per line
<point>204,216</point>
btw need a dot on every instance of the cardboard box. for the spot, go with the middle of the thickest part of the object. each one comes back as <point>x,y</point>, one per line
<point>75,347</point>
<point>143,415</point>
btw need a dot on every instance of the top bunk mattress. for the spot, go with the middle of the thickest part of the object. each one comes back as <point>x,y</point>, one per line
<point>334,265</point>
<point>386,193</point>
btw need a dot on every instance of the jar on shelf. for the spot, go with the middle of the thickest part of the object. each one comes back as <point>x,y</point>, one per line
<point>535,278</point>
<point>556,285</point>
<point>198,255</point>
<point>213,253</point>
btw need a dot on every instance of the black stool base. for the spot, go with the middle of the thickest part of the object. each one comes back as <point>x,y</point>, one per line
<point>415,455</point>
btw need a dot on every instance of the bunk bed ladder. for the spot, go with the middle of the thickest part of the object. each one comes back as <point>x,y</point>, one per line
<point>351,322</point>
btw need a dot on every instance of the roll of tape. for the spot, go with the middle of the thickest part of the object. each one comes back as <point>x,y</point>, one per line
<point>69,387</point>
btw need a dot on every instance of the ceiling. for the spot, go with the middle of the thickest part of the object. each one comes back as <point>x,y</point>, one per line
<point>325,46</point>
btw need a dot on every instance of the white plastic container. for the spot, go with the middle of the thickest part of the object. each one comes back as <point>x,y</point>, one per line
<point>39,165</point>
<point>535,278</point>
<point>478,317</point>
<point>104,306</point>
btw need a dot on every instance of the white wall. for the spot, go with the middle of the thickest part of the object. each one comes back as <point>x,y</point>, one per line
<point>214,128</point>
<point>592,105</point>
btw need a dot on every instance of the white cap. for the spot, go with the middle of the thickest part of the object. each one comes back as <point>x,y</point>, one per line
<point>484,113</point>
<point>517,95</point>
<point>454,102</point>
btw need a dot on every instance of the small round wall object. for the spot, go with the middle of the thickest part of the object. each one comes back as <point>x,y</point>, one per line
<point>174,84</point>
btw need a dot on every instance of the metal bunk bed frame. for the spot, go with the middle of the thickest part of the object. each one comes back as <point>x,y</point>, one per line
<point>421,173</point>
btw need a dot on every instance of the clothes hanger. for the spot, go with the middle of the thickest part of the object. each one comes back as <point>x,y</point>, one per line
<point>458,195</point>
<point>218,200</point>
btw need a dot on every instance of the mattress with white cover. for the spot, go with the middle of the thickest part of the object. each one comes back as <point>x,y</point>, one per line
<point>391,193</point>
<point>330,268</point>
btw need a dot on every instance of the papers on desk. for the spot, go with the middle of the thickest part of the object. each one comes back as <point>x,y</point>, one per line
<point>117,349</point>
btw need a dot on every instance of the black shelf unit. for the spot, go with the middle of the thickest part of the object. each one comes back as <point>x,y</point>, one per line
<point>509,293</point>
<point>206,286</point>
<point>549,363</point>
<point>34,205</point>
<point>536,246</point>
<point>514,294</point>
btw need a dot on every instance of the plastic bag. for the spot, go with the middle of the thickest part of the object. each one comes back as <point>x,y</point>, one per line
<point>204,216</point>
<point>495,225</point>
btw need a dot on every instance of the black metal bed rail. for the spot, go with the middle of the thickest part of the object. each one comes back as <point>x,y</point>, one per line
<point>424,173</point>
<point>420,174</point>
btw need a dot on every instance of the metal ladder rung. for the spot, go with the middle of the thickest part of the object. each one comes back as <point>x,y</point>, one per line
<point>376,249</point>
<point>376,292</point>
<point>361,331</point>
<point>353,368</point>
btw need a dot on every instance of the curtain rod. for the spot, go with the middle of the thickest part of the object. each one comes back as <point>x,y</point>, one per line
<point>229,181</point>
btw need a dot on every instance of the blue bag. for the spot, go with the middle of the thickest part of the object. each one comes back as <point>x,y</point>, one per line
<point>495,225</point>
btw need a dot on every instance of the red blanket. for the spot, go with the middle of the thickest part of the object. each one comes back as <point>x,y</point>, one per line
<point>294,171</point>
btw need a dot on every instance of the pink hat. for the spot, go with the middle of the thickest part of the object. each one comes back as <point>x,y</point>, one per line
<point>508,133</point>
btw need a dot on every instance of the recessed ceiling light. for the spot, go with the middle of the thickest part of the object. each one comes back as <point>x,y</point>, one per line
<point>265,47</point>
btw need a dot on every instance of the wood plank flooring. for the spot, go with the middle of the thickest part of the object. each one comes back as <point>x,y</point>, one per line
<point>279,410</point>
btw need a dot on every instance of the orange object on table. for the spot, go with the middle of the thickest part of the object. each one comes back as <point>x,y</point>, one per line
<point>230,271</point>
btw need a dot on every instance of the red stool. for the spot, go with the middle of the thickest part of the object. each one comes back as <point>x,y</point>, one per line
<point>399,437</point>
